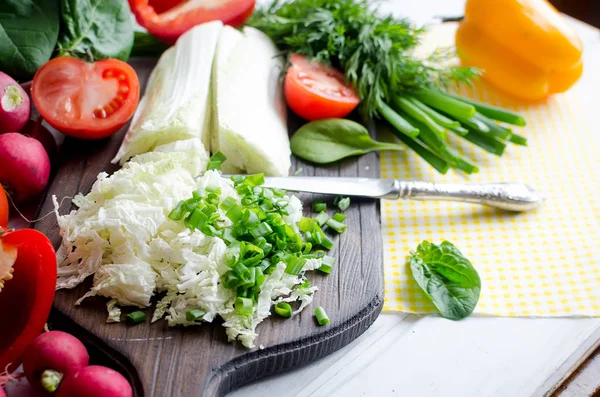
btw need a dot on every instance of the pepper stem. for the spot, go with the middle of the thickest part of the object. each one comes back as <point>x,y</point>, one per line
<point>51,380</point>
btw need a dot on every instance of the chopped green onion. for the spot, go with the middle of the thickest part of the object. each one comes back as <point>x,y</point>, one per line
<point>339,217</point>
<point>321,316</point>
<point>344,203</point>
<point>243,306</point>
<point>194,314</point>
<point>327,243</point>
<point>216,161</point>
<point>136,317</point>
<point>327,264</point>
<point>261,230</point>
<point>337,226</point>
<point>319,206</point>
<point>295,265</point>
<point>399,123</point>
<point>249,218</point>
<point>254,180</point>
<point>322,218</point>
<point>283,309</point>
<point>298,171</point>
<point>178,212</point>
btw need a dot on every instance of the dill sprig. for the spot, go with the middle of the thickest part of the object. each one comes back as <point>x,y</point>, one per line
<point>375,52</point>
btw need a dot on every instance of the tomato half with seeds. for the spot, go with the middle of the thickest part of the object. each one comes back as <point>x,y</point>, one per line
<point>315,91</point>
<point>86,100</point>
<point>169,19</point>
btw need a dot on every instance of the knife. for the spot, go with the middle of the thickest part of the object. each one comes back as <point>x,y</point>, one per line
<point>506,196</point>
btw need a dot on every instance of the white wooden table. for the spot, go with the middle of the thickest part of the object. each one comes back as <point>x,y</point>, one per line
<point>408,355</point>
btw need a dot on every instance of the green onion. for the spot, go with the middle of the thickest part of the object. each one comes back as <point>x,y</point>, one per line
<point>415,112</point>
<point>283,309</point>
<point>319,206</point>
<point>322,218</point>
<point>178,212</point>
<point>399,123</point>
<point>194,314</point>
<point>337,226</point>
<point>262,229</point>
<point>485,142</point>
<point>439,164</point>
<point>343,203</point>
<point>216,161</point>
<point>231,280</point>
<point>136,317</point>
<point>295,265</point>
<point>434,115</point>
<point>321,316</point>
<point>517,139</point>
<point>495,129</point>
<point>243,306</point>
<point>254,180</point>
<point>298,171</point>
<point>327,243</point>
<point>327,264</point>
<point>493,112</point>
<point>438,100</point>
<point>339,217</point>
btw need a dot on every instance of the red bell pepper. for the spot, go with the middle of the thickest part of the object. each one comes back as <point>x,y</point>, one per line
<point>169,19</point>
<point>28,274</point>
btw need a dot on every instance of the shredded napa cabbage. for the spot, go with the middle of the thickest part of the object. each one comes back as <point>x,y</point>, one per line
<point>122,235</point>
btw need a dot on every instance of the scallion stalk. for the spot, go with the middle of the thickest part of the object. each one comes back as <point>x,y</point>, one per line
<point>493,112</point>
<point>136,317</point>
<point>398,122</point>
<point>438,100</point>
<point>321,316</point>
<point>283,309</point>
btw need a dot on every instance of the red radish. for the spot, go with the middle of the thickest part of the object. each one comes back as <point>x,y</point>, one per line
<point>24,166</point>
<point>95,381</point>
<point>51,357</point>
<point>35,129</point>
<point>14,105</point>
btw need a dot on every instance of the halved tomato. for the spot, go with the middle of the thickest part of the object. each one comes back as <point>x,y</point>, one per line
<point>315,91</point>
<point>169,19</point>
<point>86,100</point>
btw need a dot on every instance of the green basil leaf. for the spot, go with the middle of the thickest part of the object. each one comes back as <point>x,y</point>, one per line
<point>96,29</point>
<point>329,140</point>
<point>28,34</point>
<point>447,278</point>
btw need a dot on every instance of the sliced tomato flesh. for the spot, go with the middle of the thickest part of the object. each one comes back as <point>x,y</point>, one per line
<point>169,19</point>
<point>315,91</point>
<point>86,100</point>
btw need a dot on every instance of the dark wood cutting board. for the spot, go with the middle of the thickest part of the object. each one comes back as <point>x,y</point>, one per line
<point>198,361</point>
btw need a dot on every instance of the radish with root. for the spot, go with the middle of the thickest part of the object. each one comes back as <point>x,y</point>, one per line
<point>15,107</point>
<point>24,166</point>
<point>95,381</point>
<point>51,357</point>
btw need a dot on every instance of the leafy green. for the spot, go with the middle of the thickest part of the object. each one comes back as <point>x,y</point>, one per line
<point>447,278</point>
<point>28,34</point>
<point>96,29</point>
<point>146,45</point>
<point>329,140</point>
<point>374,52</point>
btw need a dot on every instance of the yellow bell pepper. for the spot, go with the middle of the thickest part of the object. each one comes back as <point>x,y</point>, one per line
<point>525,47</point>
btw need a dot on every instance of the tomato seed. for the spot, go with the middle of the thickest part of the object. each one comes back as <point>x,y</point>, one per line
<point>100,113</point>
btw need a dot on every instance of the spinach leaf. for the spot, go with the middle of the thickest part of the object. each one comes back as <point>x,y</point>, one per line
<point>96,29</point>
<point>146,45</point>
<point>447,278</point>
<point>28,34</point>
<point>329,140</point>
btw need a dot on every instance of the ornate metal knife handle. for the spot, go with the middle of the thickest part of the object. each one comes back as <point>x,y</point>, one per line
<point>506,196</point>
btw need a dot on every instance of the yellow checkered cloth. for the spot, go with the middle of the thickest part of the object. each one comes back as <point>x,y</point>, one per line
<point>542,263</point>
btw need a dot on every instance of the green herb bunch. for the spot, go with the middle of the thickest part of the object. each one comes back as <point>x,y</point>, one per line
<point>376,54</point>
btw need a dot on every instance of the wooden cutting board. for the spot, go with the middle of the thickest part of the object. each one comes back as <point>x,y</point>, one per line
<point>198,361</point>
